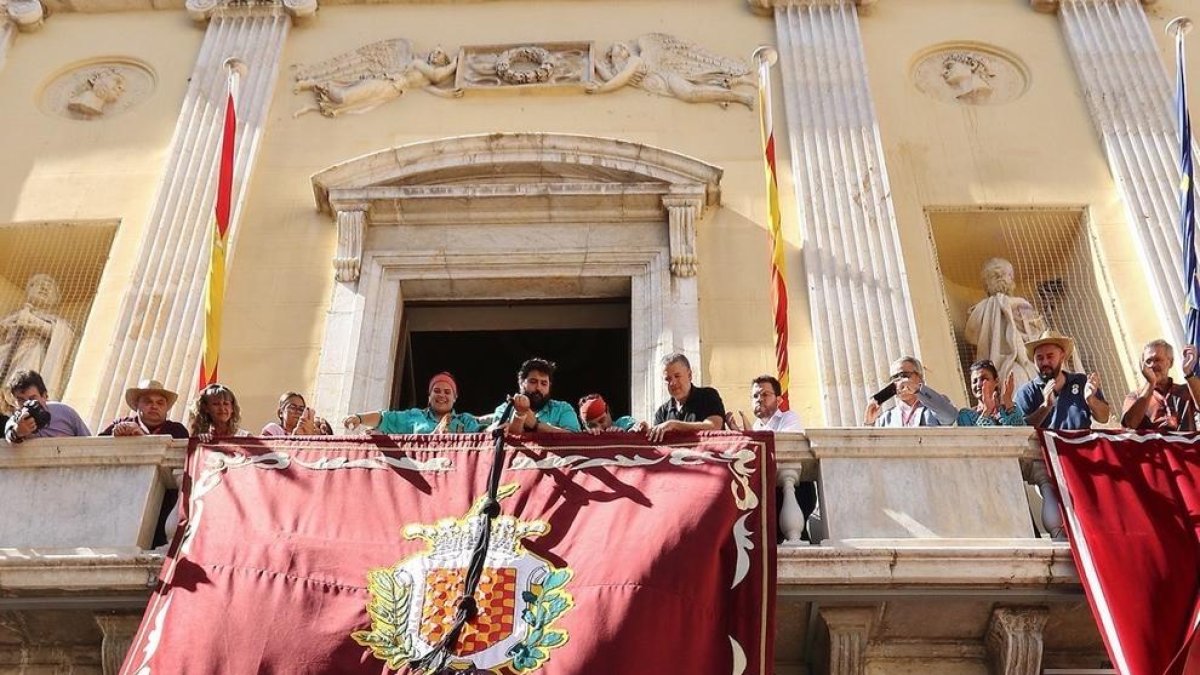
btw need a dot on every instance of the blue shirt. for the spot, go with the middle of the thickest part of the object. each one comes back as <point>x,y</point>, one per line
<point>424,421</point>
<point>557,413</point>
<point>624,423</point>
<point>969,417</point>
<point>1070,411</point>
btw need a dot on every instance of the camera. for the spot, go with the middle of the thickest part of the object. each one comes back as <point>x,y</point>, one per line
<point>32,409</point>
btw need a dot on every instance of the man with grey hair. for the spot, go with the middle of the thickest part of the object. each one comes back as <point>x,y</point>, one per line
<point>1161,404</point>
<point>917,405</point>
<point>690,408</point>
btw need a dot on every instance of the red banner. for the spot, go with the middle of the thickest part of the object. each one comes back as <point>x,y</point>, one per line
<point>347,555</point>
<point>1132,504</point>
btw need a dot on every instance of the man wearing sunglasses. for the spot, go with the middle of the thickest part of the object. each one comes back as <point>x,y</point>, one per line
<point>917,405</point>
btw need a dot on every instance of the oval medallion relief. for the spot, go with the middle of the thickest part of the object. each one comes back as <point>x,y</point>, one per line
<point>970,73</point>
<point>97,89</point>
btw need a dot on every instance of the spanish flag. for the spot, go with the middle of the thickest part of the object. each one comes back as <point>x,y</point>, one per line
<point>766,57</point>
<point>214,289</point>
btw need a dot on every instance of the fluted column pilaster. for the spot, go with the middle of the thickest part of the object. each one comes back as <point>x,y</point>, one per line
<point>1130,97</point>
<point>159,329</point>
<point>1014,640</point>
<point>858,293</point>
<point>849,637</point>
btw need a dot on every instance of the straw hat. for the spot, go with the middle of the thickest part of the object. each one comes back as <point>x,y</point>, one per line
<point>1051,337</point>
<point>132,394</point>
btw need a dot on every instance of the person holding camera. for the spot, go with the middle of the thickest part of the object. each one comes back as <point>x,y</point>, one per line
<point>296,419</point>
<point>150,403</point>
<point>917,404</point>
<point>36,416</point>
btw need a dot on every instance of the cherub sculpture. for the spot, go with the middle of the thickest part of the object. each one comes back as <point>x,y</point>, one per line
<point>372,75</point>
<point>667,66</point>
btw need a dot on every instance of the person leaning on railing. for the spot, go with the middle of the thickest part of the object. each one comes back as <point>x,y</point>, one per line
<point>216,414</point>
<point>596,417</point>
<point>438,417</point>
<point>36,416</point>
<point>917,404</point>
<point>689,408</point>
<point>533,409</point>
<point>150,403</point>
<point>1161,404</point>
<point>296,419</point>
<point>994,407</point>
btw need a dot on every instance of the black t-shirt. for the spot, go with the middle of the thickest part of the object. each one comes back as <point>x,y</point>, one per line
<point>701,403</point>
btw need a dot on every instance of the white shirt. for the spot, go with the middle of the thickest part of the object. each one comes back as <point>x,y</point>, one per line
<point>780,421</point>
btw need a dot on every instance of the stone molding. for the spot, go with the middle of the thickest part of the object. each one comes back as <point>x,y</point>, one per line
<point>119,631</point>
<point>682,213</point>
<point>861,308</point>
<point>1052,6</point>
<point>203,10</point>
<point>768,7</point>
<point>1131,100</point>
<point>159,324</point>
<point>351,226</point>
<point>1014,640</point>
<point>849,637</point>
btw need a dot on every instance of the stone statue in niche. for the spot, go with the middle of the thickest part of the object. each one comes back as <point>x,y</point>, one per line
<point>372,75</point>
<point>1001,324</point>
<point>668,66</point>
<point>102,88</point>
<point>36,338</point>
<point>968,77</point>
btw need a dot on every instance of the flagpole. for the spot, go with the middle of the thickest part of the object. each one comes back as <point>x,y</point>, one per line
<point>765,57</point>
<point>1178,28</point>
<point>214,288</point>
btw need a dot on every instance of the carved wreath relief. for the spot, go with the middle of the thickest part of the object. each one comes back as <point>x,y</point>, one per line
<point>970,74</point>
<point>98,90</point>
<point>659,63</point>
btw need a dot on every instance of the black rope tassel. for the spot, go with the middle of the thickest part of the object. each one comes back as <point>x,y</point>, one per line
<point>436,660</point>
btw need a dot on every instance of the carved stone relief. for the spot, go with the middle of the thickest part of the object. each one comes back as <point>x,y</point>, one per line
<point>970,74</point>
<point>544,64</point>
<point>363,79</point>
<point>98,89</point>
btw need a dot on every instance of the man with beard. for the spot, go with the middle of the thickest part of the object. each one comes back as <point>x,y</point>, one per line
<point>533,409</point>
<point>994,407</point>
<point>764,401</point>
<point>1058,399</point>
<point>1161,404</point>
<point>690,408</point>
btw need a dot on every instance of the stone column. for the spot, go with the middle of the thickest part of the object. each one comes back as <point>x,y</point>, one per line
<point>683,213</point>
<point>858,294</point>
<point>18,15</point>
<point>849,635</point>
<point>159,329</point>
<point>1014,640</point>
<point>119,631</point>
<point>1131,99</point>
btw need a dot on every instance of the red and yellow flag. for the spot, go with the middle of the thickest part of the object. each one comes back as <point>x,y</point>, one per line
<point>214,289</point>
<point>765,57</point>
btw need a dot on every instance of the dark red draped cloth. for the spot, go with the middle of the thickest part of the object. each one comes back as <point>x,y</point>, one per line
<point>1132,502</point>
<point>347,555</point>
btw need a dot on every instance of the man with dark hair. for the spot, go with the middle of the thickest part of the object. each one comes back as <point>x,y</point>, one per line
<point>1058,399</point>
<point>1161,404</point>
<point>533,409</point>
<point>27,386</point>
<point>765,398</point>
<point>690,408</point>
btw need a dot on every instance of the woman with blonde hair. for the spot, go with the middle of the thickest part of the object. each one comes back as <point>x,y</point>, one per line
<point>216,414</point>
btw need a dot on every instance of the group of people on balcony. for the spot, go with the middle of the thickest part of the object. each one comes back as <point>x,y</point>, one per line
<point>1056,399</point>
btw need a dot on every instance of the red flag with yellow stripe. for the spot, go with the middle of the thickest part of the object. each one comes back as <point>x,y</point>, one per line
<point>779,298</point>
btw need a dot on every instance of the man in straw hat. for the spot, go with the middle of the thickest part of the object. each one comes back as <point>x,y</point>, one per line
<point>1058,399</point>
<point>150,403</point>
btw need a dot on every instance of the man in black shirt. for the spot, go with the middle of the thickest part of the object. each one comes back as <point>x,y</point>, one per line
<point>690,408</point>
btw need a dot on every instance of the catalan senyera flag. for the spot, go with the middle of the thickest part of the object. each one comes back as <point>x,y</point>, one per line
<point>1187,199</point>
<point>779,296</point>
<point>347,555</point>
<point>1132,506</point>
<point>214,289</point>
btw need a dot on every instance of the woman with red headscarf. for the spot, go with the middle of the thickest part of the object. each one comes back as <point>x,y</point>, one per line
<point>438,418</point>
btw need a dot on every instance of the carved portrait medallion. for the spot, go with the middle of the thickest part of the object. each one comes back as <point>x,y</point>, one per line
<point>97,89</point>
<point>970,73</point>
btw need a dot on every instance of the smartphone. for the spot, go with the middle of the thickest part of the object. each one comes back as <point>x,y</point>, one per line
<point>884,394</point>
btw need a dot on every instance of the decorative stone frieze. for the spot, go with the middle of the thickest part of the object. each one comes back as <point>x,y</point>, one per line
<point>159,326</point>
<point>118,631</point>
<point>1014,640</point>
<point>970,73</point>
<point>373,74</point>
<point>849,636</point>
<point>351,226</point>
<point>669,66</point>
<point>98,90</point>
<point>681,221</point>
<point>858,292</point>
<point>1131,102</point>
<point>537,65</point>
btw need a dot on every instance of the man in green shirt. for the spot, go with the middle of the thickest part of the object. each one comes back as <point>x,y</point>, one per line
<point>533,409</point>
<point>438,418</point>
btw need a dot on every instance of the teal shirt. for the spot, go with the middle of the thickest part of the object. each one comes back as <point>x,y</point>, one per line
<point>624,423</point>
<point>969,417</point>
<point>423,421</point>
<point>558,413</point>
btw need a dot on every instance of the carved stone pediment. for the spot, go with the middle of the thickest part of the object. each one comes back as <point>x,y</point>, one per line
<point>535,65</point>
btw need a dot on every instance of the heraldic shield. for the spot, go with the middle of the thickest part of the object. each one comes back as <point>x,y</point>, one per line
<point>520,596</point>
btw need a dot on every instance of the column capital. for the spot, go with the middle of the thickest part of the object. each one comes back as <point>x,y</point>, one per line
<point>1014,640</point>
<point>203,10</point>
<point>849,636</point>
<point>26,15</point>
<point>767,7</point>
<point>1051,6</point>
<point>682,212</point>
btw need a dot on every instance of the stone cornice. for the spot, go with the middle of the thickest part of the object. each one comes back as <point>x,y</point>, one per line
<point>1051,6</point>
<point>203,10</point>
<point>767,7</point>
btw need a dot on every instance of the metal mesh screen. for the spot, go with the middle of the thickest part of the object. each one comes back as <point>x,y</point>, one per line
<point>48,278</point>
<point>1054,270</point>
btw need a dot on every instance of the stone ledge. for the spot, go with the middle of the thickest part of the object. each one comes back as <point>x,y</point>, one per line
<point>94,451</point>
<point>25,572</point>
